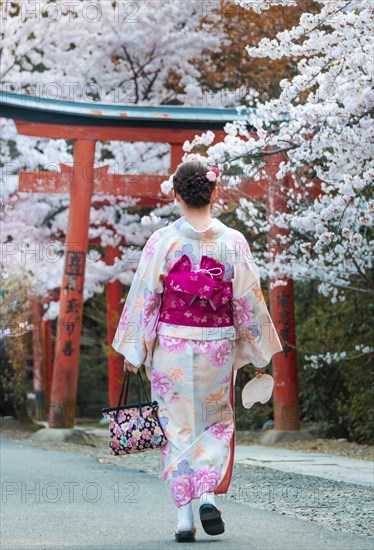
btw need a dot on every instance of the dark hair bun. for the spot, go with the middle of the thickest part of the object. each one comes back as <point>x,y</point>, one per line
<point>192,184</point>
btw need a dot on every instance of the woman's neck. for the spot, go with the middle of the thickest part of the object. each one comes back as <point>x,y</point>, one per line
<point>199,219</point>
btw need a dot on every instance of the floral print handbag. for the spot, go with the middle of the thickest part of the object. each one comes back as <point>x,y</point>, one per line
<point>134,428</point>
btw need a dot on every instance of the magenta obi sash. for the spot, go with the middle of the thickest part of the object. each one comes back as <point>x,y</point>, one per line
<point>197,298</point>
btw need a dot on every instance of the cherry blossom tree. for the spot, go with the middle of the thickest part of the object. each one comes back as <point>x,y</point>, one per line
<point>322,123</point>
<point>92,51</point>
<point>114,52</point>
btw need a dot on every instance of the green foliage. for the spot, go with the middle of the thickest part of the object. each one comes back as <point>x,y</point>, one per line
<point>93,365</point>
<point>338,396</point>
<point>360,407</point>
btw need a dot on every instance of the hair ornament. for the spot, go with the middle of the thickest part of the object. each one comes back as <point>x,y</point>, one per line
<point>212,173</point>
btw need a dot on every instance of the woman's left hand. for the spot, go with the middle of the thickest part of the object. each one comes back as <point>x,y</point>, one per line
<point>127,366</point>
<point>259,373</point>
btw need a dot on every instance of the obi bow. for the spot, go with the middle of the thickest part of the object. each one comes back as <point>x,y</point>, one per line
<point>206,282</point>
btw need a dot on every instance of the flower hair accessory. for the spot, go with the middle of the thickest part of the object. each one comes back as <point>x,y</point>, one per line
<point>212,173</point>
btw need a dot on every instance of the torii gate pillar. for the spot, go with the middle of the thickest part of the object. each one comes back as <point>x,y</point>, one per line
<point>114,306</point>
<point>286,399</point>
<point>69,325</point>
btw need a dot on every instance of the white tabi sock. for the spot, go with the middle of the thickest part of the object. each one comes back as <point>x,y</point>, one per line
<point>185,518</point>
<point>207,498</point>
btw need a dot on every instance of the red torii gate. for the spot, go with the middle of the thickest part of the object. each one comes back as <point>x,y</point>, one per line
<point>104,183</point>
<point>172,125</point>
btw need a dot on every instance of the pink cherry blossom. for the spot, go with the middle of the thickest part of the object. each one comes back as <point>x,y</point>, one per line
<point>150,246</point>
<point>151,311</point>
<point>117,430</point>
<point>211,175</point>
<point>165,475</point>
<point>182,489</point>
<point>220,352</point>
<point>201,346</point>
<point>161,383</point>
<point>222,432</point>
<point>165,450</point>
<point>173,345</point>
<point>114,444</point>
<point>242,311</point>
<point>206,479</point>
<point>121,417</point>
<point>123,322</point>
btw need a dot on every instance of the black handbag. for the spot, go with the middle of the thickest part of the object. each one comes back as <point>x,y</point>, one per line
<point>135,427</point>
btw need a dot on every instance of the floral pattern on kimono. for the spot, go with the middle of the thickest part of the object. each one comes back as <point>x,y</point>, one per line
<point>191,382</point>
<point>257,339</point>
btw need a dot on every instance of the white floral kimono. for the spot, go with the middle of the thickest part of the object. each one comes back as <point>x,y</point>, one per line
<point>193,369</point>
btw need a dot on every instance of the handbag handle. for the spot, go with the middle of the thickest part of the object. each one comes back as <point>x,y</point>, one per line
<point>127,379</point>
<point>140,380</point>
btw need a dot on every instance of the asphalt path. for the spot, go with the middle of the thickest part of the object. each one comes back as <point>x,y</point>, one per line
<point>67,500</point>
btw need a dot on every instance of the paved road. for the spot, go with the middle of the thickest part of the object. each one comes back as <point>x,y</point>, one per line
<point>66,500</point>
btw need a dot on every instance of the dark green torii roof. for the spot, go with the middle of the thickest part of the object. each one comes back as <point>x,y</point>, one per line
<point>52,111</point>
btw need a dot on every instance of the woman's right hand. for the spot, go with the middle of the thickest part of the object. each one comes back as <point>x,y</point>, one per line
<point>127,366</point>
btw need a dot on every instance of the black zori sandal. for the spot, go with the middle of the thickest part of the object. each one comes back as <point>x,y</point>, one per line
<point>211,519</point>
<point>185,536</point>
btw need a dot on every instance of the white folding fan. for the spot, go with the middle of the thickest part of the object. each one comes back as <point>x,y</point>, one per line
<point>257,390</point>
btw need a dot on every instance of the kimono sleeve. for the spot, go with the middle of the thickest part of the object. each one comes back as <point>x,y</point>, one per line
<point>136,332</point>
<point>256,337</point>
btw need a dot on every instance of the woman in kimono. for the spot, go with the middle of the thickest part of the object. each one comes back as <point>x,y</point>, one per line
<point>194,315</point>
